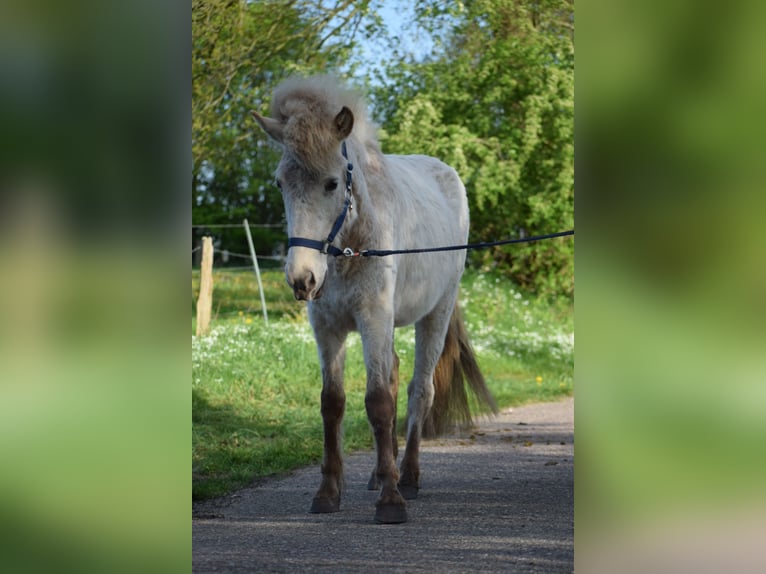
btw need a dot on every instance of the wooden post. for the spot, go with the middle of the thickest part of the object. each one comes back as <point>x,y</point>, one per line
<point>205,301</point>
<point>257,270</point>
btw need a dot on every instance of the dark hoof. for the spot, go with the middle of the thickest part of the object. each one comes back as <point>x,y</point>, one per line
<point>408,491</point>
<point>391,513</point>
<point>373,483</point>
<point>325,505</point>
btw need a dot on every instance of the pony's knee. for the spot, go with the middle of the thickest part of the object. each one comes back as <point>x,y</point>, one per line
<point>380,408</point>
<point>333,401</point>
<point>421,396</point>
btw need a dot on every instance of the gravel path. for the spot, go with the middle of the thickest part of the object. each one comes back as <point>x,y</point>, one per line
<point>498,499</point>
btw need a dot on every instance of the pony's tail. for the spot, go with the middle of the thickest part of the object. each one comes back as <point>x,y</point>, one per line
<point>456,365</point>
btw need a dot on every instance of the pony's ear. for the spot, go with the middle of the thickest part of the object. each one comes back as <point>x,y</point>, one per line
<point>344,122</point>
<point>271,126</point>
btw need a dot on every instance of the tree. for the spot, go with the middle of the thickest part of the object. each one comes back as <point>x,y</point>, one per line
<point>240,51</point>
<point>495,100</point>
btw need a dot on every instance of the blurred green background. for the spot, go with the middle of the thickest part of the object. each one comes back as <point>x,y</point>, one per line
<point>94,360</point>
<point>671,295</point>
<point>95,127</point>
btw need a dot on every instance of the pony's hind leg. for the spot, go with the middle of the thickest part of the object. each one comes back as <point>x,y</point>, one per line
<point>430,333</point>
<point>332,356</point>
<point>374,483</point>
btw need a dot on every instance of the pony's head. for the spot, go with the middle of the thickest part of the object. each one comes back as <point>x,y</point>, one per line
<point>311,128</point>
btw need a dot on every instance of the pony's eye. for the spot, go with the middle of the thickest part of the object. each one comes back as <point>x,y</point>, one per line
<point>331,185</point>
<point>279,183</point>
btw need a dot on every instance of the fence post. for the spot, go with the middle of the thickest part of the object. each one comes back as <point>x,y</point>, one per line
<point>257,270</point>
<point>205,300</point>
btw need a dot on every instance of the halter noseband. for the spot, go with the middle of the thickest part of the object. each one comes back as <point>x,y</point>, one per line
<point>327,246</point>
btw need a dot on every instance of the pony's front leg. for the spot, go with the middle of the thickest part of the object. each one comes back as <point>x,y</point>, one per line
<point>381,412</point>
<point>332,357</point>
<point>374,483</point>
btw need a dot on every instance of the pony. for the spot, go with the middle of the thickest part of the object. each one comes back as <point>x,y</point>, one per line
<point>334,177</point>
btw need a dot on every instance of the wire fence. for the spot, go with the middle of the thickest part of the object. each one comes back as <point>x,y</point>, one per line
<point>237,225</point>
<point>224,254</point>
<point>221,257</point>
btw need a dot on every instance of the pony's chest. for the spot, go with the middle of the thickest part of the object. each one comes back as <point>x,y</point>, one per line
<point>349,293</point>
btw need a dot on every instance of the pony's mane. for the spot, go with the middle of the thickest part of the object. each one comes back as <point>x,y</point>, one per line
<point>307,108</point>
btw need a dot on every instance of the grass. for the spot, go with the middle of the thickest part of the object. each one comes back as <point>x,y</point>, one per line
<point>255,389</point>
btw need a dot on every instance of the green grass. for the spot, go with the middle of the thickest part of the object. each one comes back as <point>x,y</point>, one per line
<point>255,389</point>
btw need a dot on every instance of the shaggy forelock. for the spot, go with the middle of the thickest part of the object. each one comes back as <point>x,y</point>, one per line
<point>307,108</point>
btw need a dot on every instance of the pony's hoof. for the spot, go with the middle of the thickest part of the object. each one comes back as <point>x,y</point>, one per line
<point>391,513</point>
<point>325,505</point>
<point>408,491</point>
<point>373,483</point>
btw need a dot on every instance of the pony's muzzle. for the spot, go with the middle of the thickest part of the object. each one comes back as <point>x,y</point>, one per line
<point>305,287</point>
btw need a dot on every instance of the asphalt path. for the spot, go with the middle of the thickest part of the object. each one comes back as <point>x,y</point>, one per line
<point>497,499</point>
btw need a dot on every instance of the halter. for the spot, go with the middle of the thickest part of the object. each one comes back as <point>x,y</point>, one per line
<point>327,246</point>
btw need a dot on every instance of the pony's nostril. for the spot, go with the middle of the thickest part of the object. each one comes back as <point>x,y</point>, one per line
<point>303,287</point>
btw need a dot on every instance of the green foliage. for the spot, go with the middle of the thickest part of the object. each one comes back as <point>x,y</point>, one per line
<point>235,292</point>
<point>255,389</point>
<point>496,101</point>
<point>240,51</point>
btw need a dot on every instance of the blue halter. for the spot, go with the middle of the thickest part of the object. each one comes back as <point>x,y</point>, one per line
<point>326,246</point>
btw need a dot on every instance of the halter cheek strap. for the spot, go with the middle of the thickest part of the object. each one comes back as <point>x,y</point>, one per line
<point>326,246</point>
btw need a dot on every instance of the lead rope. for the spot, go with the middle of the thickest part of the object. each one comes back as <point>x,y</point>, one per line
<point>348,252</point>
